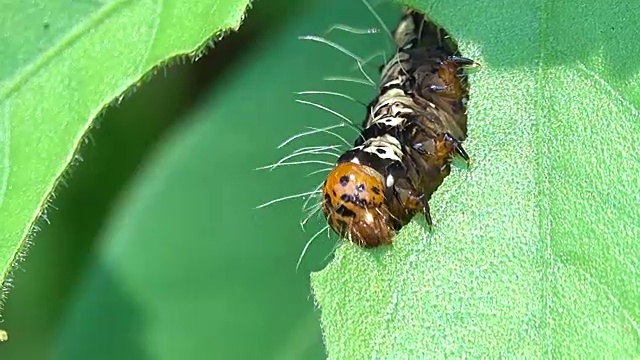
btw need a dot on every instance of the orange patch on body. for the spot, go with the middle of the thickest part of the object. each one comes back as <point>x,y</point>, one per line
<point>448,73</point>
<point>353,202</point>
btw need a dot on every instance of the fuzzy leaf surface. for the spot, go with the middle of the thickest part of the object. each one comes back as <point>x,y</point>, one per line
<point>535,252</point>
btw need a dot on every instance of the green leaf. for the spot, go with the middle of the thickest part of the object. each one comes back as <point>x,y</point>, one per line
<point>535,252</point>
<point>62,63</point>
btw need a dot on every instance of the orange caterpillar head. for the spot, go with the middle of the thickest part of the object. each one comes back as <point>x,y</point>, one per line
<point>353,203</point>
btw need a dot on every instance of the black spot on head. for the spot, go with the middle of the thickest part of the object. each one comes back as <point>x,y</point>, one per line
<point>334,193</point>
<point>360,187</point>
<point>375,190</point>
<point>381,151</point>
<point>360,202</point>
<point>327,200</point>
<point>344,181</point>
<point>342,210</point>
<point>345,197</point>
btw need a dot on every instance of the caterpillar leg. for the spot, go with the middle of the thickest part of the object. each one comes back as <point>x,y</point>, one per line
<point>462,61</point>
<point>427,216</point>
<point>458,146</point>
<point>450,81</point>
<point>417,204</point>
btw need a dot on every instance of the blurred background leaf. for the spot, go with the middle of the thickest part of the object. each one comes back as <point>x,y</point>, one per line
<point>535,253</point>
<point>62,62</point>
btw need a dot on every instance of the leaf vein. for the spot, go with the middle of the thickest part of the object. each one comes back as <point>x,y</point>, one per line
<point>544,206</point>
<point>606,85</point>
<point>152,40</point>
<point>611,297</point>
<point>15,82</point>
<point>5,138</point>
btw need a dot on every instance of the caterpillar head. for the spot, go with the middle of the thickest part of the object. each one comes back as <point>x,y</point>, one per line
<point>354,205</point>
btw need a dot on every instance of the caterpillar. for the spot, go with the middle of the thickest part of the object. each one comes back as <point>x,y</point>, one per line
<point>413,129</point>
